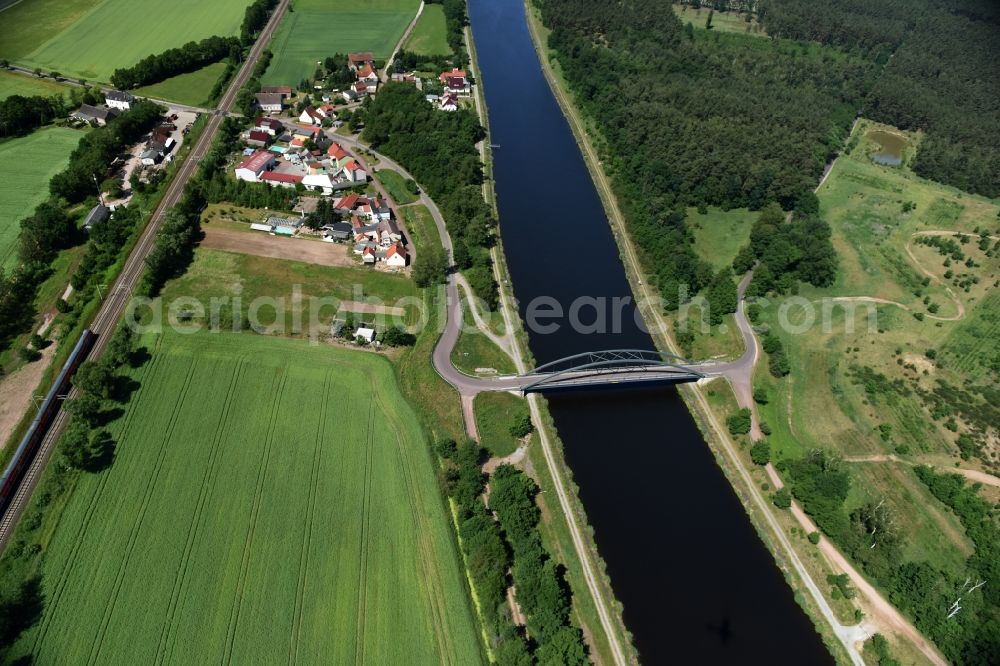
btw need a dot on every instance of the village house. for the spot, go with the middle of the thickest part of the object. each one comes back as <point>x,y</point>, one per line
<point>349,96</point>
<point>455,82</point>
<point>395,256</point>
<point>95,114</point>
<point>336,232</point>
<point>269,102</point>
<point>449,102</point>
<point>362,89</point>
<point>118,99</point>
<point>251,168</point>
<point>357,61</point>
<point>366,335</point>
<point>368,75</point>
<point>319,182</point>
<point>272,126</point>
<point>353,172</point>
<point>312,115</point>
<point>258,138</point>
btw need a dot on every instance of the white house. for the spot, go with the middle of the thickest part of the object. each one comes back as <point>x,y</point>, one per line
<point>319,182</point>
<point>251,168</point>
<point>312,116</point>
<point>395,256</point>
<point>449,102</point>
<point>269,102</point>
<point>270,125</point>
<point>118,99</point>
<point>368,75</point>
<point>366,334</point>
<point>353,172</point>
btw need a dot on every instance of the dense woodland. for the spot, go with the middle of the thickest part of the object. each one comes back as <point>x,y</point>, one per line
<point>943,76</point>
<point>20,114</point>
<point>439,149</point>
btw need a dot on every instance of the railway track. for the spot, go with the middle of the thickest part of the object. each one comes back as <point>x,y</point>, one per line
<point>118,297</point>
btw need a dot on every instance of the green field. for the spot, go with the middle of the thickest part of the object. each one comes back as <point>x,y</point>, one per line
<point>91,40</point>
<point>28,86</point>
<point>395,184</point>
<point>317,29</point>
<point>721,21</point>
<point>27,164</point>
<point>474,350</point>
<point>719,234</point>
<point>192,88</point>
<point>269,501</point>
<point>430,35</point>
<point>495,414</point>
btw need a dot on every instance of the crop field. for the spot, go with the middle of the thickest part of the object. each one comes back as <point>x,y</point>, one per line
<point>319,28</point>
<point>91,40</point>
<point>18,84</point>
<point>192,88</point>
<point>430,35</point>
<point>27,164</point>
<point>269,502</point>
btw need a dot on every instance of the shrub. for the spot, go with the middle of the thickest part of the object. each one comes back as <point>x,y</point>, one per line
<point>739,423</point>
<point>782,499</point>
<point>760,453</point>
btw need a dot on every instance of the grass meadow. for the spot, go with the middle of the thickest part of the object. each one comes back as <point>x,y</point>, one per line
<point>192,88</point>
<point>28,86</point>
<point>90,40</point>
<point>27,164</point>
<point>721,21</point>
<point>474,350</point>
<point>430,35</point>
<point>319,28</point>
<point>834,398</point>
<point>395,184</point>
<point>495,414</point>
<point>269,501</point>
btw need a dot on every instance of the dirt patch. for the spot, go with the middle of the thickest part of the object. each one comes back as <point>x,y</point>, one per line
<point>371,308</point>
<point>17,389</point>
<point>922,363</point>
<point>275,247</point>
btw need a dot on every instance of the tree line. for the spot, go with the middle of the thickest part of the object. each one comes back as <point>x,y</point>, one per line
<point>439,149</point>
<point>254,19</point>
<point>20,115</point>
<point>188,58</point>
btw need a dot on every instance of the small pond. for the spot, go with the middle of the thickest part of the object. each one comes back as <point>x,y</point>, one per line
<point>890,147</point>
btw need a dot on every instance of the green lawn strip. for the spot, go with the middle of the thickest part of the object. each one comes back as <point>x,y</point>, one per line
<point>28,86</point>
<point>720,234</point>
<point>320,501</point>
<point>316,30</point>
<point>192,88</point>
<point>27,164</point>
<point>430,35</point>
<point>396,185</point>
<point>119,33</point>
<point>474,351</point>
<point>496,412</point>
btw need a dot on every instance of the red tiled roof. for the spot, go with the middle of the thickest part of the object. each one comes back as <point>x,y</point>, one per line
<point>257,162</point>
<point>396,248</point>
<point>257,135</point>
<point>281,177</point>
<point>365,71</point>
<point>352,165</point>
<point>348,202</point>
<point>455,72</point>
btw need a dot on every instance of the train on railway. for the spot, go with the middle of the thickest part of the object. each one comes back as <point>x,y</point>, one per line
<point>32,440</point>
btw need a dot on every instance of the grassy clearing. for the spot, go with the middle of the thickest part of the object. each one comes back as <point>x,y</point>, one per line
<point>721,21</point>
<point>719,234</point>
<point>116,33</point>
<point>495,414</point>
<point>475,351</point>
<point>307,528</point>
<point>273,284</point>
<point>317,29</point>
<point>192,88</point>
<point>430,35</point>
<point>28,86</point>
<point>395,184</point>
<point>26,165</point>
<point>851,379</point>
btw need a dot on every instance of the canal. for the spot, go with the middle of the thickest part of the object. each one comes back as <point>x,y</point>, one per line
<point>696,582</point>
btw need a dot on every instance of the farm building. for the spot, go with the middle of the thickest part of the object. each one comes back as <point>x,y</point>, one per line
<point>254,165</point>
<point>150,157</point>
<point>366,334</point>
<point>99,213</point>
<point>357,61</point>
<point>118,99</point>
<point>95,114</point>
<point>284,91</point>
<point>258,138</point>
<point>276,179</point>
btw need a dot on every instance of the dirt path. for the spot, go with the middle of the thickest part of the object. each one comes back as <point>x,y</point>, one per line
<point>971,474</point>
<point>402,40</point>
<point>17,390</point>
<point>513,459</point>
<point>264,245</point>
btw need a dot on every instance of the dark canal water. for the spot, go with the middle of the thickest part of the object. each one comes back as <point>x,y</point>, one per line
<point>696,583</point>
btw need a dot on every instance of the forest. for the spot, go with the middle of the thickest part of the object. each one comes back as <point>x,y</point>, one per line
<point>697,118</point>
<point>942,77</point>
<point>20,115</point>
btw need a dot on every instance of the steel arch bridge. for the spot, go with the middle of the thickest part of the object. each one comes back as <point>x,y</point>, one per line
<point>613,367</point>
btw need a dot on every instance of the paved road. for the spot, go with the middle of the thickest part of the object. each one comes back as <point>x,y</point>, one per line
<point>121,292</point>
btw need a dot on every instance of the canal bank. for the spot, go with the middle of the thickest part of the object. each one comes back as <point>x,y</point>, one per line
<point>695,580</point>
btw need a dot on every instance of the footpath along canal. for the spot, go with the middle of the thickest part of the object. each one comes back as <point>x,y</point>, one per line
<point>696,582</point>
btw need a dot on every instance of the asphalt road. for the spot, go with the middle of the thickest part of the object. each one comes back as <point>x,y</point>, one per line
<point>116,299</point>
